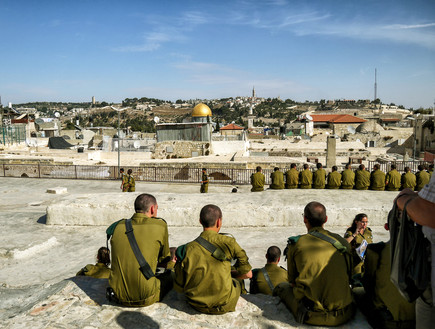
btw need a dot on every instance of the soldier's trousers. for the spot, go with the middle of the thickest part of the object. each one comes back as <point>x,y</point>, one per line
<point>285,292</point>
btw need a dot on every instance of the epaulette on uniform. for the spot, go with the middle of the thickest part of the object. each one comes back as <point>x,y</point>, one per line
<point>180,253</point>
<point>161,219</point>
<point>227,234</point>
<point>111,228</point>
<point>293,239</point>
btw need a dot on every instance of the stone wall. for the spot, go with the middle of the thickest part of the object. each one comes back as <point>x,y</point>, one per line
<point>181,149</point>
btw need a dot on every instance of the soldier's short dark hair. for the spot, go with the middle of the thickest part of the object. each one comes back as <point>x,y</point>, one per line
<point>431,166</point>
<point>319,165</point>
<point>121,170</point>
<point>204,169</point>
<point>209,215</point>
<point>407,169</point>
<point>334,168</point>
<point>347,166</point>
<point>103,256</point>
<point>258,169</point>
<point>275,169</point>
<point>305,166</point>
<point>376,167</point>
<point>129,171</point>
<point>144,202</point>
<point>420,167</point>
<point>315,213</point>
<point>273,254</point>
<point>293,165</point>
<point>361,167</point>
<point>393,166</point>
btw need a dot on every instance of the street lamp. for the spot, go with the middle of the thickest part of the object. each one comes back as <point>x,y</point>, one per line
<point>119,138</point>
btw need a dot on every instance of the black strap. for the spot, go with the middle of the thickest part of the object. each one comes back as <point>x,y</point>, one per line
<point>216,252</point>
<point>144,266</point>
<point>267,278</point>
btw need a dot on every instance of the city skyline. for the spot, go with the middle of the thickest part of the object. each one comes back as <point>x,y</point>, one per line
<point>302,50</point>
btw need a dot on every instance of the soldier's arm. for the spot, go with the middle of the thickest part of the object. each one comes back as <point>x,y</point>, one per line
<point>420,210</point>
<point>242,266</point>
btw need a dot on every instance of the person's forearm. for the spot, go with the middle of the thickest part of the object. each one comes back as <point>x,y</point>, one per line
<point>237,275</point>
<point>420,210</point>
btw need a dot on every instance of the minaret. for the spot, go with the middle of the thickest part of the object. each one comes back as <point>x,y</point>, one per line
<point>376,87</point>
<point>251,116</point>
<point>253,92</point>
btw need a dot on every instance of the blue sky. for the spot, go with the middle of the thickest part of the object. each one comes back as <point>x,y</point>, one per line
<point>304,50</point>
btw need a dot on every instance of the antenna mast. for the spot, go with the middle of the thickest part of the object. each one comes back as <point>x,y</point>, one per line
<point>376,87</point>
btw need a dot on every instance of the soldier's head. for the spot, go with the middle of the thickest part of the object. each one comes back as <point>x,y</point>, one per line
<point>210,217</point>
<point>420,167</point>
<point>407,169</point>
<point>129,171</point>
<point>275,169</point>
<point>360,221</point>
<point>334,168</point>
<point>362,167</point>
<point>204,169</point>
<point>431,167</point>
<point>258,169</point>
<point>393,166</point>
<point>305,166</point>
<point>121,170</point>
<point>314,215</point>
<point>293,165</point>
<point>146,204</point>
<point>347,166</point>
<point>319,165</point>
<point>376,167</point>
<point>103,256</point>
<point>273,254</point>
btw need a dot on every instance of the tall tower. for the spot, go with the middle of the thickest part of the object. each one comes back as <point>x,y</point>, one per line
<point>253,92</point>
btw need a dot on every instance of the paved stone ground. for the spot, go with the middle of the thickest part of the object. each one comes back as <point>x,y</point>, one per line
<point>38,263</point>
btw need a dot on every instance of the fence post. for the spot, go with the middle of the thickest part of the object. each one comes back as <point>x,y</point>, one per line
<point>39,170</point>
<point>75,167</point>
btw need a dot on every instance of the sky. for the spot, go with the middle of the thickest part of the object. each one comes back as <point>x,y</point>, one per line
<point>69,51</point>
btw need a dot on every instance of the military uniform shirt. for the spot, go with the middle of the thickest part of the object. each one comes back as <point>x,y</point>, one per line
<point>204,183</point>
<point>334,180</point>
<point>277,178</point>
<point>362,179</point>
<point>128,283</point>
<point>99,271</point>
<point>423,178</point>
<point>259,284</point>
<point>291,178</point>
<point>347,179</point>
<point>409,180</point>
<point>306,178</point>
<point>205,280</point>
<point>319,178</point>
<point>319,271</point>
<point>377,180</point>
<point>257,182</point>
<point>393,178</point>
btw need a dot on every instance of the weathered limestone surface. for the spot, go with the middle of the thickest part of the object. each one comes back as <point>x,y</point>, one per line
<point>267,208</point>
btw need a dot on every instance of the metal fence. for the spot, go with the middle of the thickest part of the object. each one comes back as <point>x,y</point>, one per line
<point>400,165</point>
<point>159,174</point>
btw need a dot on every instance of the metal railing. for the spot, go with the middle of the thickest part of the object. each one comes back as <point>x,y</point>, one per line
<point>160,174</point>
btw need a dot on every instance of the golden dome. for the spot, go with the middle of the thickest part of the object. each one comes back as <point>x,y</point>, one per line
<point>201,110</point>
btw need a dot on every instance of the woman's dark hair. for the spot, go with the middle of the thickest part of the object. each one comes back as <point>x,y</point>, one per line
<point>357,218</point>
<point>103,256</point>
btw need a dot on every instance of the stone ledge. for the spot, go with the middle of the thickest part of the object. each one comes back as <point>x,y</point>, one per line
<point>261,209</point>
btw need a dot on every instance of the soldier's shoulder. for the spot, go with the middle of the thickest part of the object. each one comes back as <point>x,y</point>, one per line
<point>293,239</point>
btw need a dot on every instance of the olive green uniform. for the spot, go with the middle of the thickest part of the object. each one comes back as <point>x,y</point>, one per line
<point>124,179</point>
<point>259,285</point>
<point>320,277</point>
<point>204,183</point>
<point>347,179</point>
<point>205,280</point>
<point>334,180</point>
<point>423,178</point>
<point>277,178</point>
<point>306,178</point>
<point>99,271</point>
<point>257,182</point>
<point>291,178</point>
<point>392,180</point>
<point>130,184</point>
<point>355,243</point>
<point>383,300</point>
<point>319,178</point>
<point>128,283</point>
<point>409,180</point>
<point>377,180</point>
<point>362,179</point>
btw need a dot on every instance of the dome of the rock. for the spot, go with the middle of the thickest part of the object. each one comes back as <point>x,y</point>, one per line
<point>201,110</point>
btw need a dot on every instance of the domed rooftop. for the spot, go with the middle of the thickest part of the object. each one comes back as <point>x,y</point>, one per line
<point>201,110</point>
<point>369,127</point>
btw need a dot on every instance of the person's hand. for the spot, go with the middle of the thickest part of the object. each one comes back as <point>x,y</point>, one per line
<point>406,191</point>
